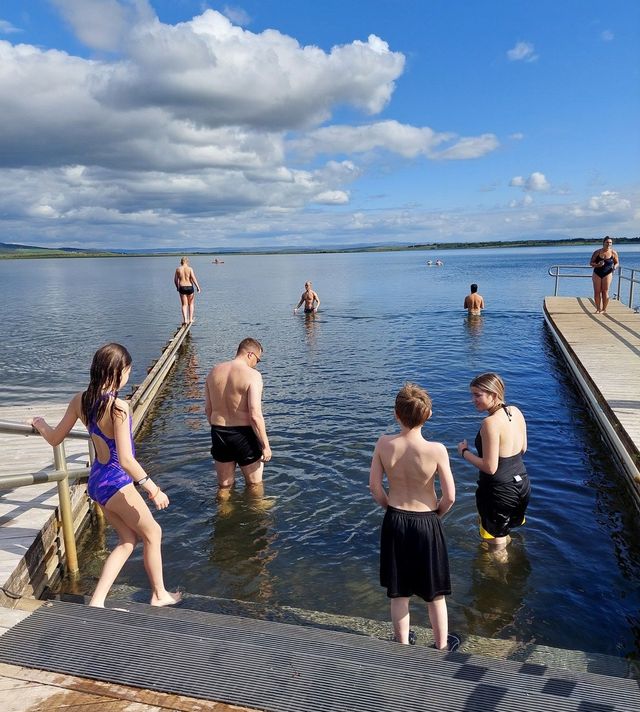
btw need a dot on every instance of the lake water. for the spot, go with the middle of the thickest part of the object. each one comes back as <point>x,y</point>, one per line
<point>330,383</point>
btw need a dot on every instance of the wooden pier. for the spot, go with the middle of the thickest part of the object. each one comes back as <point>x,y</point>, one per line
<point>603,353</point>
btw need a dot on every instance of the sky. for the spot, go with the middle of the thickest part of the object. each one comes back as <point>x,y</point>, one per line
<point>271,123</point>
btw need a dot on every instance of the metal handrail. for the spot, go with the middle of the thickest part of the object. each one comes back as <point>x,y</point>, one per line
<point>10,428</point>
<point>625,274</point>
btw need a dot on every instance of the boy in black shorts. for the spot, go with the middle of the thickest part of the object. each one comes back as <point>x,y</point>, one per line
<point>413,551</point>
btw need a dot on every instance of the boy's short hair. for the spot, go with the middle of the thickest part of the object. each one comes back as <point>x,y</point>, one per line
<point>413,405</point>
<point>249,344</point>
<point>474,288</point>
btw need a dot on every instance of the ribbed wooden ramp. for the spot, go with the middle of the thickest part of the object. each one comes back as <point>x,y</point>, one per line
<point>280,667</point>
<point>603,351</point>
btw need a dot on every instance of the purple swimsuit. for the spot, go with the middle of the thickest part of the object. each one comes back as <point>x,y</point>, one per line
<point>107,478</point>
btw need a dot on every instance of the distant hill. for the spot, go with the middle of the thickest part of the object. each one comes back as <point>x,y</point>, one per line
<point>9,249</point>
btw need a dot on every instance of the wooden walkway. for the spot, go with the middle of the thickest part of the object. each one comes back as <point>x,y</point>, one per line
<point>24,511</point>
<point>603,352</point>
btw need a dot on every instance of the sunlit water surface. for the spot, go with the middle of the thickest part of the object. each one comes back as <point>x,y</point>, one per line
<point>330,382</point>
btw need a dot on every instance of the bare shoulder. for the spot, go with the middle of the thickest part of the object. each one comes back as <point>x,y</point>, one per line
<point>122,408</point>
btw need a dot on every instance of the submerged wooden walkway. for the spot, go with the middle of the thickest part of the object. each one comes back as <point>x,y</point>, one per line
<point>603,353</point>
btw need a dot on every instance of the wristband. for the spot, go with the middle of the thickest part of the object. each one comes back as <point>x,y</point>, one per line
<point>139,483</point>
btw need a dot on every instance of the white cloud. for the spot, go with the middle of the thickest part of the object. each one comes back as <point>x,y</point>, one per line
<point>536,182</point>
<point>6,28</point>
<point>522,52</point>
<point>237,15</point>
<point>332,197</point>
<point>406,141</point>
<point>607,35</point>
<point>517,136</point>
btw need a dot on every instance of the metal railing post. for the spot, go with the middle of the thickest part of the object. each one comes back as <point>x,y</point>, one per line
<point>555,290</point>
<point>632,284</point>
<point>66,513</point>
<point>619,283</point>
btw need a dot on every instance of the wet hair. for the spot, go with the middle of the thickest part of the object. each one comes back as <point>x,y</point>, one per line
<point>413,405</point>
<point>474,288</point>
<point>109,363</point>
<point>307,283</point>
<point>184,260</point>
<point>607,238</point>
<point>489,383</point>
<point>249,344</point>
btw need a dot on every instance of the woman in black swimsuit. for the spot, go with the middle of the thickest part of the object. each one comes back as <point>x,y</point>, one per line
<point>604,262</point>
<point>503,485</point>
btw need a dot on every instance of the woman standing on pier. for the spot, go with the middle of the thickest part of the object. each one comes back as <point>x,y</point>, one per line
<point>503,486</point>
<point>115,472</point>
<point>604,262</point>
<point>186,284</point>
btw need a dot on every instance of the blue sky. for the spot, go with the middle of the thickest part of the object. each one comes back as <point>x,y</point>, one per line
<point>268,123</point>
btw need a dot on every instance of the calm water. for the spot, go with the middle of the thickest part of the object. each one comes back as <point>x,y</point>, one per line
<point>330,382</point>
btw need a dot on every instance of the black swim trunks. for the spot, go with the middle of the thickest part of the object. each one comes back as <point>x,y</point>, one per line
<point>235,444</point>
<point>413,555</point>
<point>308,310</point>
<point>186,290</point>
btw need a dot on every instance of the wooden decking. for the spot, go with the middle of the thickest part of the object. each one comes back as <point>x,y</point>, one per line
<point>603,352</point>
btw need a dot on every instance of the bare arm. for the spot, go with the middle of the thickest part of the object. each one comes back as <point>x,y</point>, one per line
<point>376,475</point>
<point>447,485</point>
<point>595,258</point>
<point>616,261</point>
<point>466,302</point>
<point>481,302</point>
<point>255,414</point>
<point>297,306</point>
<point>54,436</point>
<point>194,280</point>
<point>128,462</point>
<point>176,279</point>
<point>317,298</point>
<point>490,449</point>
<point>208,407</point>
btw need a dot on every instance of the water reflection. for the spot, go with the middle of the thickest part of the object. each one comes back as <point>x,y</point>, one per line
<point>193,388</point>
<point>242,544</point>
<point>474,325</point>
<point>498,590</point>
<point>310,327</point>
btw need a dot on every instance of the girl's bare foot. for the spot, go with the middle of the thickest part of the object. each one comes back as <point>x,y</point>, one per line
<point>167,599</point>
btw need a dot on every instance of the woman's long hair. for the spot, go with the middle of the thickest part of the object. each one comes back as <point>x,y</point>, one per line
<point>109,363</point>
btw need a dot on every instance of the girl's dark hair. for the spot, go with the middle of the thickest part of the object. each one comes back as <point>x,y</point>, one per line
<point>109,362</point>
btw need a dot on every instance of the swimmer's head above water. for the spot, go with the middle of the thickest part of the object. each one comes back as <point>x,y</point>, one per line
<point>413,405</point>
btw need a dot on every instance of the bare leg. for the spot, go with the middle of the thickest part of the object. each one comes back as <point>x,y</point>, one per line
<point>133,511</point>
<point>226,473</point>
<point>253,472</point>
<point>606,283</point>
<point>191,298</point>
<point>127,539</point>
<point>184,306</point>
<point>400,619</point>
<point>597,292</point>
<point>437,610</point>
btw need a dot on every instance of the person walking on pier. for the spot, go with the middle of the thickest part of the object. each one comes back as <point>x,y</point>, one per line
<point>503,486</point>
<point>604,262</point>
<point>310,299</point>
<point>413,550</point>
<point>116,476</point>
<point>473,302</point>
<point>186,284</point>
<point>233,404</point>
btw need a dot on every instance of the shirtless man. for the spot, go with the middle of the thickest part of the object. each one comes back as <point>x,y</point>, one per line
<point>473,302</point>
<point>233,404</point>
<point>186,284</point>
<point>310,298</point>
<point>413,550</point>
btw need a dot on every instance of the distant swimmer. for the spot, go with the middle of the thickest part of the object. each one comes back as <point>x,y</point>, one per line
<point>217,261</point>
<point>604,262</point>
<point>413,549</point>
<point>310,298</point>
<point>439,263</point>
<point>186,284</point>
<point>233,404</point>
<point>474,303</point>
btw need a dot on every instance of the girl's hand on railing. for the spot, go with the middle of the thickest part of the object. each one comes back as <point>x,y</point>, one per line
<point>37,422</point>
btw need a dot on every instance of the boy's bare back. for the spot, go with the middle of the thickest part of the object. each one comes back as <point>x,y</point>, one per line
<point>411,463</point>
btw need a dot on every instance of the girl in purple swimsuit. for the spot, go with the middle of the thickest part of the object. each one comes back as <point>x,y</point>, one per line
<point>115,473</point>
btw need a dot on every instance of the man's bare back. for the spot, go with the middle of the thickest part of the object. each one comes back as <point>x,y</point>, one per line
<point>474,303</point>
<point>228,385</point>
